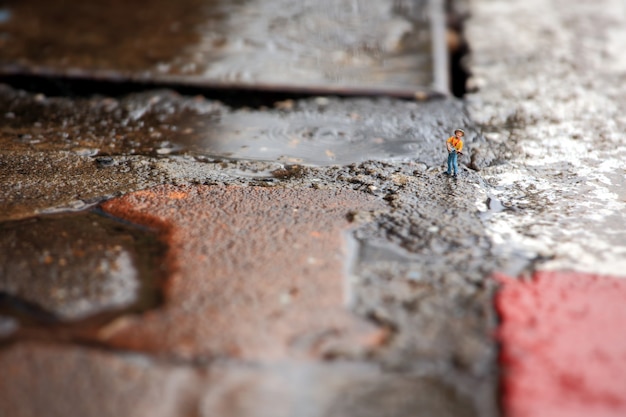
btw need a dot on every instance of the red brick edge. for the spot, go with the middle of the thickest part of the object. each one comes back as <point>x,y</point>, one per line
<point>563,345</point>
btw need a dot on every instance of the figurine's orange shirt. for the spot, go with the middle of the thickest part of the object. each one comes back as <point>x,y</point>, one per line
<point>456,143</point>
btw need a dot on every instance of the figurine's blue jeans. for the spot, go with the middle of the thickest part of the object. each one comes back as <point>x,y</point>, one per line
<point>452,162</point>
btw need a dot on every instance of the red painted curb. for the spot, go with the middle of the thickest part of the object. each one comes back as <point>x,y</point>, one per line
<point>563,352</point>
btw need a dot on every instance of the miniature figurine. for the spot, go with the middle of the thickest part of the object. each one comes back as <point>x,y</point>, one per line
<point>454,144</point>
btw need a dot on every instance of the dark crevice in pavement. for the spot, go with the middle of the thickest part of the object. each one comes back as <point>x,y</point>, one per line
<point>458,48</point>
<point>235,98</point>
<point>14,307</point>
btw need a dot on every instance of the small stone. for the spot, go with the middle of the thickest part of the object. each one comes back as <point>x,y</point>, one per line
<point>322,101</point>
<point>85,151</point>
<point>284,105</point>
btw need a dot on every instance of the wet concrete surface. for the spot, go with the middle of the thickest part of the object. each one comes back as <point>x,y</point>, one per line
<point>541,187</point>
<point>316,45</point>
<point>114,145</point>
<point>48,182</point>
<point>318,131</point>
<point>152,123</point>
<point>413,309</point>
<point>563,186</point>
<point>339,389</point>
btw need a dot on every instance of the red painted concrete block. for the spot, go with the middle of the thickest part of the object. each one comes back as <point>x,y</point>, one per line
<point>563,350</point>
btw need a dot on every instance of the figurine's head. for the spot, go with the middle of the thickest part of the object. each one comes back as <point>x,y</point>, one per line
<point>459,133</point>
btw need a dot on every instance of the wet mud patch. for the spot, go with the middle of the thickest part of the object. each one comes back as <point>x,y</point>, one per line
<point>66,268</point>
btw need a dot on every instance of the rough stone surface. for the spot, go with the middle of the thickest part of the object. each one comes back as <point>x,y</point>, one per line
<point>542,186</point>
<point>71,267</point>
<point>254,272</point>
<point>562,346</point>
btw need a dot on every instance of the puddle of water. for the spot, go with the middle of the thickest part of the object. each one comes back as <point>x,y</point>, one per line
<point>65,268</point>
<point>318,45</point>
<point>489,205</point>
<point>301,138</point>
<point>325,131</point>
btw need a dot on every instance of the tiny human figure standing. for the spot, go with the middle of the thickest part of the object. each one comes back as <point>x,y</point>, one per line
<point>454,144</point>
